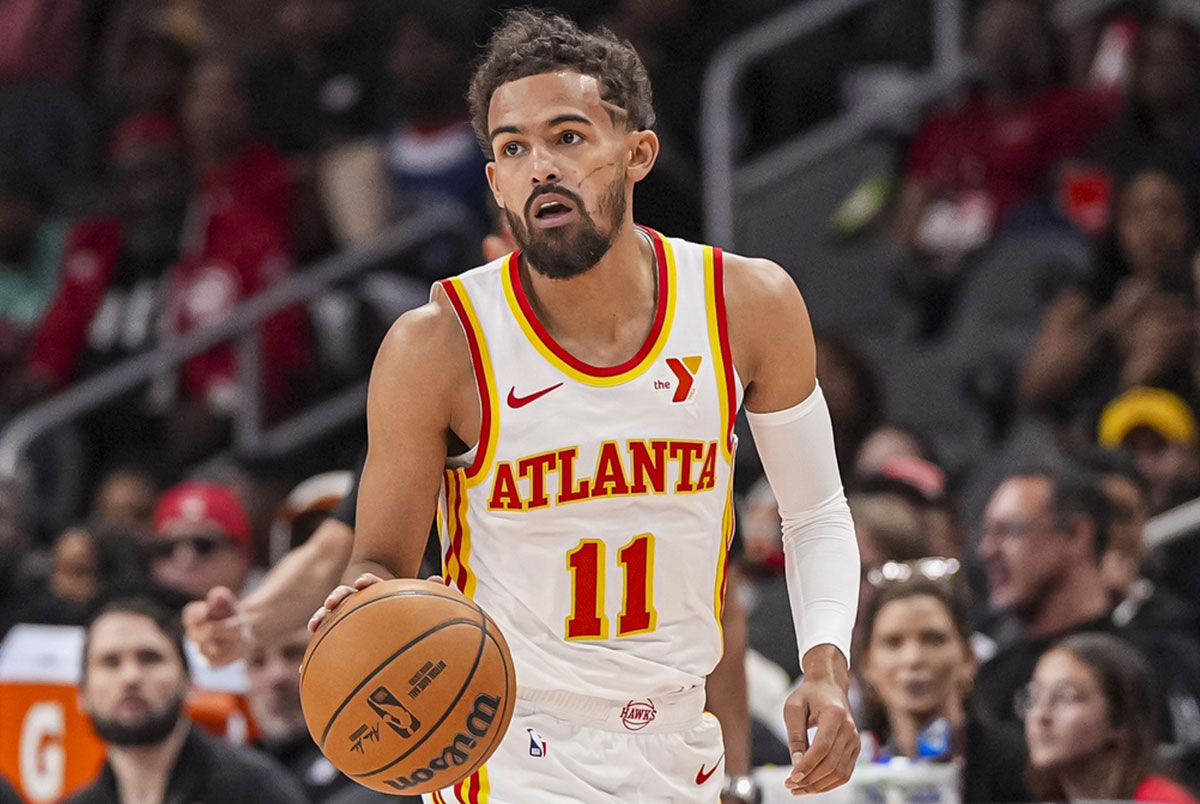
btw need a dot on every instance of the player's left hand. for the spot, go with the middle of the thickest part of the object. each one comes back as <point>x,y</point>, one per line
<point>820,701</point>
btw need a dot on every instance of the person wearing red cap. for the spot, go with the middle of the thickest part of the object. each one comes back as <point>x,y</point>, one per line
<point>201,539</point>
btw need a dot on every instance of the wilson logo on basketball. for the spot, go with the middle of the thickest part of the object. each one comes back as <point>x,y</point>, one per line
<point>684,386</point>
<point>457,753</point>
<point>386,705</point>
<point>638,714</point>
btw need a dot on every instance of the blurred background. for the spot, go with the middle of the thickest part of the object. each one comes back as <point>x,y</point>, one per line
<point>212,210</point>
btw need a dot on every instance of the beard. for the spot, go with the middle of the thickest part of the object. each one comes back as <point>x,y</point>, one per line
<point>566,251</point>
<point>151,729</point>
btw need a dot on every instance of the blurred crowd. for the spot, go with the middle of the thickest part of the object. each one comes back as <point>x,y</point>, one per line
<point>163,160</point>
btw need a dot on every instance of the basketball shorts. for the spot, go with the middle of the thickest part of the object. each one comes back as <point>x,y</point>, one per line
<point>562,748</point>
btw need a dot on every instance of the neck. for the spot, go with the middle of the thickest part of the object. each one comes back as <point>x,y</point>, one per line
<point>143,771</point>
<point>598,306</point>
<point>1087,779</point>
<point>1079,597</point>
<point>907,725</point>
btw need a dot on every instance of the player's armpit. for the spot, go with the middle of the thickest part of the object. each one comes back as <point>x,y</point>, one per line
<point>770,334</point>
<point>422,389</point>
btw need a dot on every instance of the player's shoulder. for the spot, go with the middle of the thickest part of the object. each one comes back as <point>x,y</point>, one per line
<point>756,282</point>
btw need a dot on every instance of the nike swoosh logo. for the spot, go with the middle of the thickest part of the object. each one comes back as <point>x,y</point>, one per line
<point>702,777</point>
<point>515,401</point>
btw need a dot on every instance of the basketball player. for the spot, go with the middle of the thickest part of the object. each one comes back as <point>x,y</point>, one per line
<point>568,411</point>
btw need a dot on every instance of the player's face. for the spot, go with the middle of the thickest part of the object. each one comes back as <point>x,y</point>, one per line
<point>135,682</point>
<point>563,170</point>
<point>1067,720</point>
<point>273,673</point>
<point>916,661</point>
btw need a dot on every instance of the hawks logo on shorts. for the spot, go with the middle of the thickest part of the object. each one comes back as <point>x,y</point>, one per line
<point>592,519</point>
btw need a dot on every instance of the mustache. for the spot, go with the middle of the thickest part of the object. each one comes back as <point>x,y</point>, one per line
<point>556,189</point>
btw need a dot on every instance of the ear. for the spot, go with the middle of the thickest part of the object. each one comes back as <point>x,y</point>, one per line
<point>490,169</point>
<point>643,153</point>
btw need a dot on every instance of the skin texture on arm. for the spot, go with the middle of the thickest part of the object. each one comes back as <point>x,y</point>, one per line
<point>772,342</point>
<point>726,685</point>
<point>422,393</point>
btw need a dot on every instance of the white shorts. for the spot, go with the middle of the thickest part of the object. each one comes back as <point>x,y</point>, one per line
<point>564,748</point>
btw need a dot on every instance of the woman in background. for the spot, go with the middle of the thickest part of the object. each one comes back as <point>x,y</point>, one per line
<point>1090,724</point>
<point>919,669</point>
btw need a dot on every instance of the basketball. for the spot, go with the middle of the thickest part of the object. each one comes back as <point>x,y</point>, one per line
<point>407,687</point>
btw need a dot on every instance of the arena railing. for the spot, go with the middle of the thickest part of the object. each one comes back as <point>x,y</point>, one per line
<point>250,435</point>
<point>725,180</point>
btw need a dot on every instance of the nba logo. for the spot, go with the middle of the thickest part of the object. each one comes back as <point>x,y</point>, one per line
<point>386,706</point>
<point>537,744</point>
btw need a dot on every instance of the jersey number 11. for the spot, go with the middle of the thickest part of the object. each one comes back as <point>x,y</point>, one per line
<point>586,565</point>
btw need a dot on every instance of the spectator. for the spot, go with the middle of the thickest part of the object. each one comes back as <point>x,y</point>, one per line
<point>135,682</point>
<point>1159,429</point>
<point>110,293</point>
<point>273,678</point>
<point>236,174</point>
<point>1045,535</point>
<point>1162,110</point>
<point>1089,720</point>
<point>920,667</point>
<point>201,539</point>
<point>320,85</point>
<point>31,245</point>
<point>42,40</point>
<point>970,167</point>
<point>431,148</point>
<point>7,794</point>
<point>89,565</point>
<point>1131,324</point>
<point>125,499</point>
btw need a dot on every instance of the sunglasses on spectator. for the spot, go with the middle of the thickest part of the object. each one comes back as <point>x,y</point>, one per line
<point>203,545</point>
<point>931,568</point>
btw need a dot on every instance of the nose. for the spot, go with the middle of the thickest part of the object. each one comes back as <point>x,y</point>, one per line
<point>545,171</point>
<point>987,544</point>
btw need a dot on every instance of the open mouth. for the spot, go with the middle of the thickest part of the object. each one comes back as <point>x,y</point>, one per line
<point>552,210</point>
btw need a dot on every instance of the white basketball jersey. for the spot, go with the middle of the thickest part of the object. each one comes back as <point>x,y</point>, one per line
<point>593,520</point>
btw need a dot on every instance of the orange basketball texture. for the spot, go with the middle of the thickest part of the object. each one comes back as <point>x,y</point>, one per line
<point>408,686</point>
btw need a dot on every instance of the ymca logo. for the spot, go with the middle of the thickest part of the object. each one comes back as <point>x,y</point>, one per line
<point>683,387</point>
<point>637,714</point>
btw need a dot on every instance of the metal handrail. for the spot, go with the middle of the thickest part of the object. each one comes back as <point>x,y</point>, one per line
<point>723,178</point>
<point>242,324</point>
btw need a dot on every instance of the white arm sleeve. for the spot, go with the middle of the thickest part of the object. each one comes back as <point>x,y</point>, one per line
<point>819,547</point>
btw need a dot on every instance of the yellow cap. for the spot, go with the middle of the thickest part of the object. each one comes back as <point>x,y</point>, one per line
<point>1162,411</point>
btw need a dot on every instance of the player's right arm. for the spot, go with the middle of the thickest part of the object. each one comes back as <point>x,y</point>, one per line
<point>422,393</point>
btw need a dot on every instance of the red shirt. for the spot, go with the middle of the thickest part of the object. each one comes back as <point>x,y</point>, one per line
<point>257,182</point>
<point>1163,790</point>
<point>1007,152</point>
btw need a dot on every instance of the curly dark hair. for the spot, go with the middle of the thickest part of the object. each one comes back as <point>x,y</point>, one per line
<point>530,42</point>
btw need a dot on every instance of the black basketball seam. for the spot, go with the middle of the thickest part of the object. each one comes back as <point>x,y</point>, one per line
<point>511,706</point>
<point>402,593</point>
<point>458,697</point>
<point>367,678</point>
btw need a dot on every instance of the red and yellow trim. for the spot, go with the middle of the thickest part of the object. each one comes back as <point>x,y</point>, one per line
<point>718,332</point>
<point>474,789</point>
<point>572,366</point>
<point>481,363</point>
<point>456,533</point>
<point>722,580</point>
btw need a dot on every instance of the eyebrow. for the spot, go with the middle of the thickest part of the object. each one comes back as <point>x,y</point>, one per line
<point>556,121</point>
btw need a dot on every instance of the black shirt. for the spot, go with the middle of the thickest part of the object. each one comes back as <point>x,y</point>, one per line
<point>994,764</point>
<point>322,782</point>
<point>210,770</point>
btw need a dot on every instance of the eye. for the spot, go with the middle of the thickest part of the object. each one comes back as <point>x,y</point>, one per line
<point>570,138</point>
<point>511,149</point>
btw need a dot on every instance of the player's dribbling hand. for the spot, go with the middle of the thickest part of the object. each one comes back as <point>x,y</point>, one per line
<point>216,627</point>
<point>820,701</point>
<point>338,595</point>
